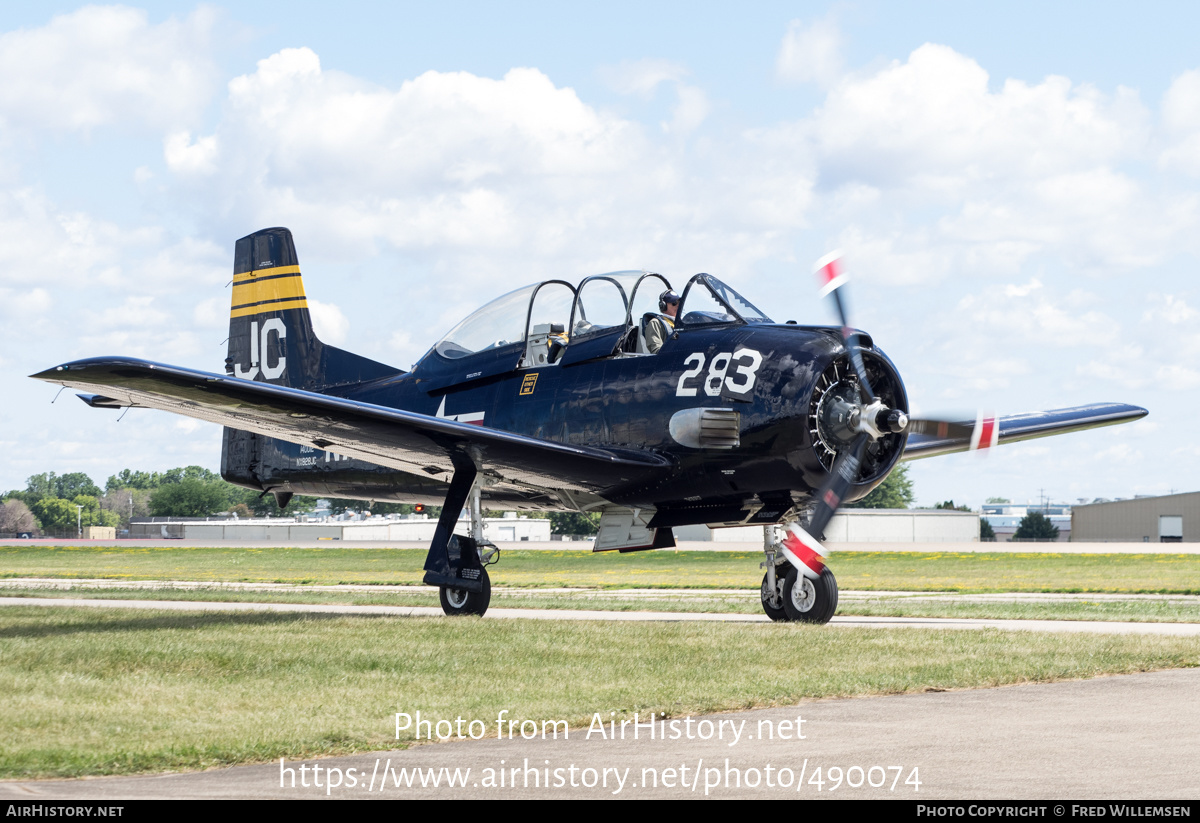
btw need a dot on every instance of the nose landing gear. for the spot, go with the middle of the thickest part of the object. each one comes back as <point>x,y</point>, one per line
<point>788,595</point>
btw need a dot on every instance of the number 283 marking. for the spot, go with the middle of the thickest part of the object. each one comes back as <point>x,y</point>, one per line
<point>741,381</point>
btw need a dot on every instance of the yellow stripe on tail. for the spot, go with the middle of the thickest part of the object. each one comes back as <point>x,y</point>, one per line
<point>267,290</point>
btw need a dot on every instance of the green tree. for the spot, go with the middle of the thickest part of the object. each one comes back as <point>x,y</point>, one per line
<point>93,514</point>
<point>188,473</point>
<point>998,500</point>
<point>574,522</point>
<point>67,486</point>
<point>1035,526</point>
<point>895,492</point>
<point>73,484</point>
<point>189,497</point>
<point>986,532</point>
<point>949,505</point>
<point>55,514</point>
<point>129,479</point>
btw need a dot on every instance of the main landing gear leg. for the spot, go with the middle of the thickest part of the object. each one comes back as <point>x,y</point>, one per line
<point>454,563</point>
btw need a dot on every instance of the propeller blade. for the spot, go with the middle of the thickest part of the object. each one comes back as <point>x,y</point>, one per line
<point>804,552</point>
<point>845,472</point>
<point>800,547</point>
<point>983,433</point>
<point>831,276</point>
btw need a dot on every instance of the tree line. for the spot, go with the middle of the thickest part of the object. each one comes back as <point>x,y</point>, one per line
<point>55,503</point>
<point>49,502</point>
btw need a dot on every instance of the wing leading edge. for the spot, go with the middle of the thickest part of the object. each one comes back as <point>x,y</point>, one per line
<point>1018,427</point>
<point>408,441</point>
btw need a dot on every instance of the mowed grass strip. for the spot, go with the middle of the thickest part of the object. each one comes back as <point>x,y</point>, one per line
<point>1145,610</point>
<point>857,570</point>
<point>85,691</point>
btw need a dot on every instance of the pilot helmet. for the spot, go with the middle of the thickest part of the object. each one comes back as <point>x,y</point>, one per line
<point>667,298</point>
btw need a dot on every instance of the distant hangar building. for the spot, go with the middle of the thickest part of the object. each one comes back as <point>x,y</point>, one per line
<point>1171,518</point>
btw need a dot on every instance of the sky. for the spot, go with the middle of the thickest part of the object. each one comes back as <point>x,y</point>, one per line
<point>1016,188</point>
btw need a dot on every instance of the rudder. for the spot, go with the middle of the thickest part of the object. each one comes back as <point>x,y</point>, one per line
<point>271,339</point>
<point>271,336</point>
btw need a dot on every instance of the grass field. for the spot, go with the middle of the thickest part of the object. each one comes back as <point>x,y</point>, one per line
<point>1138,608</point>
<point>87,691</point>
<point>864,571</point>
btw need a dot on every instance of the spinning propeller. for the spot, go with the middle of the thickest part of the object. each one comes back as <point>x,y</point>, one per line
<point>862,421</point>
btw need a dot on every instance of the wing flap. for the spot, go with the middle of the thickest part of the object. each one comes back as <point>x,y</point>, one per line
<point>407,441</point>
<point>1028,426</point>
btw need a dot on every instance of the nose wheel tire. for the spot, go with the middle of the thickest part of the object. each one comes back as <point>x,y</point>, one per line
<point>775,612</point>
<point>810,601</point>
<point>460,601</point>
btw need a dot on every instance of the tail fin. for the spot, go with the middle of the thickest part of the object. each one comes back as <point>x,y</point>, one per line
<point>271,337</point>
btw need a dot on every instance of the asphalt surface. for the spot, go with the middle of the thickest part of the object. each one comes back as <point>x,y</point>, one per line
<point>1127,737</point>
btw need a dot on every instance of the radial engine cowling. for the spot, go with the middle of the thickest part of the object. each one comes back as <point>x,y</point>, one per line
<point>836,414</point>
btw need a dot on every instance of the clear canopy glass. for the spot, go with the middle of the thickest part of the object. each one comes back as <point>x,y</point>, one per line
<point>497,324</point>
<point>707,300</point>
<point>601,303</point>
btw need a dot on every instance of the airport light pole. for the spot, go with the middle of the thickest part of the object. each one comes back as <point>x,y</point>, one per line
<point>79,518</point>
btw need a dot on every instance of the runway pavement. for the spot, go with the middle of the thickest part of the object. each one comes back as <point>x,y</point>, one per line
<point>1125,737</point>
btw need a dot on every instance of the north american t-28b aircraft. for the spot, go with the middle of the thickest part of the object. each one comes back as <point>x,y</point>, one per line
<point>616,395</point>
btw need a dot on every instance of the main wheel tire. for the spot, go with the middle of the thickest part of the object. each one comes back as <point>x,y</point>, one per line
<point>776,614</point>
<point>807,600</point>
<point>461,601</point>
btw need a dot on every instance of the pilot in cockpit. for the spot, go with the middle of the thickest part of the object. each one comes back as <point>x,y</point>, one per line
<point>658,327</point>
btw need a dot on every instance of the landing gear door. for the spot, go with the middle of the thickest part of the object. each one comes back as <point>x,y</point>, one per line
<point>628,530</point>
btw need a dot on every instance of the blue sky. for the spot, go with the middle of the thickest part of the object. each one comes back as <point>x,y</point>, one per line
<point>1015,188</point>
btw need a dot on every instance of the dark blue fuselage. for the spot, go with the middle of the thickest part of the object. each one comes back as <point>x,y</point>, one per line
<point>767,373</point>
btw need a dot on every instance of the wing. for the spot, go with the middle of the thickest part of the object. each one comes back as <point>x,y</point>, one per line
<point>957,437</point>
<point>411,442</point>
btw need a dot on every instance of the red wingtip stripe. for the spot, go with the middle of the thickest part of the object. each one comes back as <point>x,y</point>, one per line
<point>986,433</point>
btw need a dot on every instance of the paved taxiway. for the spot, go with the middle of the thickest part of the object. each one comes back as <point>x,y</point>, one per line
<point>1130,736</point>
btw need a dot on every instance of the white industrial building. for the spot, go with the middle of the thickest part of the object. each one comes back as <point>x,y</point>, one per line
<point>510,528</point>
<point>866,526</point>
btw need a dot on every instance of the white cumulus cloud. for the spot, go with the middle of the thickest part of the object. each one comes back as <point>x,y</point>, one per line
<point>104,65</point>
<point>810,53</point>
